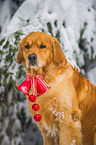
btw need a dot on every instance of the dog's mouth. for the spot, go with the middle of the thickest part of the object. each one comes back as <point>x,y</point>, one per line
<point>33,64</point>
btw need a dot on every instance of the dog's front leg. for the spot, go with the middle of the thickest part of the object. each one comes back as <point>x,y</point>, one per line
<point>94,131</point>
<point>47,140</point>
<point>64,135</point>
<point>75,127</point>
<point>70,132</point>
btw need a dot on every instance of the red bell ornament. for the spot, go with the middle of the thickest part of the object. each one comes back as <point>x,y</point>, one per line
<point>35,107</point>
<point>38,86</point>
<point>25,86</point>
<point>32,98</point>
<point>42,87</point>
<point>37,117</point>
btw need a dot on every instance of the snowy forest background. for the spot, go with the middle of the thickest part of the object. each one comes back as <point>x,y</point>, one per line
<point>73,22</point>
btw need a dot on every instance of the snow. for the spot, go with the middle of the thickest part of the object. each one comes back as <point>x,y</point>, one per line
<point>4,15</point>
<point>42,12</point>
<point>6,140</point>
<point>10,97</point>
<point>16,141</point>
<point>59,115</point>
<point>17,125</point>
<point>77,122</point>
<point>92,76</point>
<point>66,17</point>
<point>25,12</point>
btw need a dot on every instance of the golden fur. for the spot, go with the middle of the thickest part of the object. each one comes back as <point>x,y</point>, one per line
<point>71,100</point>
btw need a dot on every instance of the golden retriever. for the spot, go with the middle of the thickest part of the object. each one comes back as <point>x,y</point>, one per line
<point>69,106</point>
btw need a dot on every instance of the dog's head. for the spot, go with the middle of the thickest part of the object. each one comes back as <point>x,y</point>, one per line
<point>38,50</point>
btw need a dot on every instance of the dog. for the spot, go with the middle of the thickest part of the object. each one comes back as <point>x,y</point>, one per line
<point>68,108</point>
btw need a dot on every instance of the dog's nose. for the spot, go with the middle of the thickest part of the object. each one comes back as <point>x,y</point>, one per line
<point>32,57</point>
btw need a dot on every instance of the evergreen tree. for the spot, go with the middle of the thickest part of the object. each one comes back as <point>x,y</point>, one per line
<point>73,23</point>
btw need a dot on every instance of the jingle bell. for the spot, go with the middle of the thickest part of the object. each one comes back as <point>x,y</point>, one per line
<point>35,107</point>
<point>32,98</point>
<point>37,117</point>
<point>25,87</point>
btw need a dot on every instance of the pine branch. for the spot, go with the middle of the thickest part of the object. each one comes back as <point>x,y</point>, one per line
<point>89,64</point>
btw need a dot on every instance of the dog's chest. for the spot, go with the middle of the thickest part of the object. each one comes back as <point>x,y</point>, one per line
<point>50,130</point>
<point>51,118</point>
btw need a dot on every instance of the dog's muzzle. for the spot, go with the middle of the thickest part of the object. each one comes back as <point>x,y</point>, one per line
<point>32,59</point>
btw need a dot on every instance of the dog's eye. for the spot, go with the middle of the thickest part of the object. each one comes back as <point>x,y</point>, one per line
<point>42,46</point>
<point>27,46</point>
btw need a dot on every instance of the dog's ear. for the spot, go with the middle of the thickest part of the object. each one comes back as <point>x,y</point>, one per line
<point>58,55</point>
<point>20,54</point>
